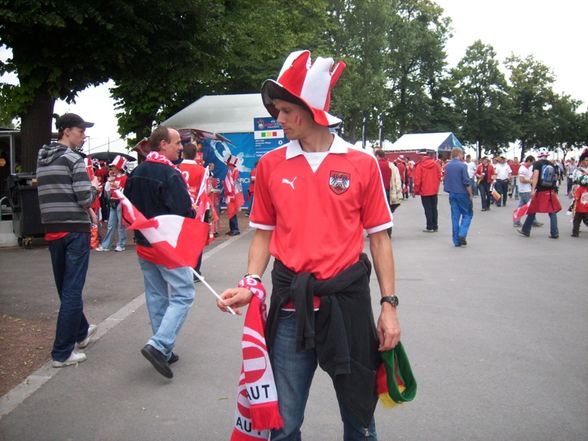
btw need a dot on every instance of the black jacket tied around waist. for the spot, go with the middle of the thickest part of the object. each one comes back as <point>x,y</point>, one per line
<point>342,332</point>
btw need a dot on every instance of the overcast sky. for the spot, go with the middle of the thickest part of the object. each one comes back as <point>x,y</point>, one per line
<point>555,32</point>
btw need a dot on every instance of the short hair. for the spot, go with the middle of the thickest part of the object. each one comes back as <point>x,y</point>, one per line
<point>189,151</point>
<point>380,153</point>
<point>161,133</point>
<point>456,152</point>
<point>530,158</point>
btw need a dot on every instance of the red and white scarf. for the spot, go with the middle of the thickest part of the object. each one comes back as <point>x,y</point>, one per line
<point>257,409</point>
<point>161,159</point>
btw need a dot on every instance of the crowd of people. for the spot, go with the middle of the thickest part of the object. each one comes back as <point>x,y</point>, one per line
<point>495,181</point>
<point>315,197</point>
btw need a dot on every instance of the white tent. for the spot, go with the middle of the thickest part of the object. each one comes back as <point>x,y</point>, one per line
<point>221,113</point>
<point>443,141</point>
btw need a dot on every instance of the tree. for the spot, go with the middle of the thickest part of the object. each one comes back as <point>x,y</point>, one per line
<point>236,47</point>
<point>358,35</point>
<point>481,100</point>
<point>415,65</point>
<point>564,128</point>
<point>60,48</point>
<point>531,93</point>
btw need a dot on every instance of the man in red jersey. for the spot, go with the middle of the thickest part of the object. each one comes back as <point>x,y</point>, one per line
<point>193,173</point>
<point>314,197</point>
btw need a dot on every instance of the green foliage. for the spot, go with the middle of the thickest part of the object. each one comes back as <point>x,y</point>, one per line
<point>531,92</point>
<point>163,55</point>
<point>482,99</point>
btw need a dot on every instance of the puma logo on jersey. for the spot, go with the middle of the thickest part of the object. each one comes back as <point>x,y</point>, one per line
<point>290,183</point>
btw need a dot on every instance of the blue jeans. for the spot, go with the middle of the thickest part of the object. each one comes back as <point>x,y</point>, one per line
<point>293,372</point>
<point>501,187</point>
<point>474,186</point>
<point>461,215</point>
<point>169,294</point>
<point>115,220</point>
<point>234,223</point>
<point>70,256</point>
<point>553,231</point>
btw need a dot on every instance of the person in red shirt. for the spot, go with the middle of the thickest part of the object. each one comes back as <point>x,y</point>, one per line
<point>515,165</point>
<point>385,171</point>
<point>252,178</point>
<point>193,173</point>
<point>485,177</point>
<point>116,180</point>
<point>580,205</point>
<point>427,179</point>
<point>314,199</point>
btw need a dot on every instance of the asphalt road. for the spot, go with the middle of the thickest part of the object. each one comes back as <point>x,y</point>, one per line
<point>495,331</point>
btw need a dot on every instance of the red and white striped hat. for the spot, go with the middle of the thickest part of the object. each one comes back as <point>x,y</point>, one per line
<point>119,162</point>
<point>305,83</point>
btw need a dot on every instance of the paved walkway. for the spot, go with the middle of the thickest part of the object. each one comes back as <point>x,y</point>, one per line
<point>496,333</point>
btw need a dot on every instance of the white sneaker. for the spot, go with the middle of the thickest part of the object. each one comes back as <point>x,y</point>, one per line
<point>85,342</point>
<point>99,248</point>
<point>74,358</point>
<point>119,248</point>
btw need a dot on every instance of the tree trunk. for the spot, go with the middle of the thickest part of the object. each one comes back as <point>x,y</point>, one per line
<point>36,129</point>
<point>523,149</point>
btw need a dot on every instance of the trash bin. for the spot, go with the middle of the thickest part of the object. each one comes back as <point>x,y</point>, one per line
<point>26,214</point>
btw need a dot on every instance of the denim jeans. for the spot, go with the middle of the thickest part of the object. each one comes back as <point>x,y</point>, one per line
<point>234,223</point>
<point>169,294</point>
<point>501,187</point>
<point>553,231</point>
<point>430,206</point>
<point>485,195</point>
<point>70,256</point>
<point>293,373</point>
<point>474,186</point>
<point>114,221</point>
<point>461,215</point>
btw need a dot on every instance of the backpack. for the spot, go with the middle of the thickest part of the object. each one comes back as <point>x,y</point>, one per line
<point>547,176</point>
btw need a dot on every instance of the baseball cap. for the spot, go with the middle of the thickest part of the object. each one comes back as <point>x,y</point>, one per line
<point>68,120</point>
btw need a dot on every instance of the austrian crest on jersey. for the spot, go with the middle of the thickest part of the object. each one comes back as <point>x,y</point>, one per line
<point>339,181</point>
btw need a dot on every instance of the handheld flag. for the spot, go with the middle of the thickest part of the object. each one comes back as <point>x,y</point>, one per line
<point>519,212</point>
<point>176,241</point>
<point>257,399</point>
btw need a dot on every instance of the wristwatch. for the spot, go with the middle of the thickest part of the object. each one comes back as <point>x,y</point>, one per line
<point>393,300</point>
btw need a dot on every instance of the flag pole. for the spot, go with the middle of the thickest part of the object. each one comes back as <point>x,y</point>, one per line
<point>211,289</point>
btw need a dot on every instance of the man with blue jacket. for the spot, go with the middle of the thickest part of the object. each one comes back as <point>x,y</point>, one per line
<point>156,187</point>
<point>457,184</point>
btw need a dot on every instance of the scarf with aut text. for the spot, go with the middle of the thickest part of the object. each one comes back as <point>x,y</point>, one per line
<point>257,409</point>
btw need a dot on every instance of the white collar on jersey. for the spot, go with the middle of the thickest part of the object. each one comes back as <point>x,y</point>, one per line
<point>294,149</point>
<point>188,161</point>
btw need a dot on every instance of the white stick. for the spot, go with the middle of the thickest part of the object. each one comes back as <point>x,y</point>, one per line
<point>211,289</point>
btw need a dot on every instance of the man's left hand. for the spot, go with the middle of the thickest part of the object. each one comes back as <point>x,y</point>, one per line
<point>388,328</point>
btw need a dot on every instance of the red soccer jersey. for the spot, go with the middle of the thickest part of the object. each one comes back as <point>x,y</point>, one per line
<point>318,217</point>
<point>193,173</point>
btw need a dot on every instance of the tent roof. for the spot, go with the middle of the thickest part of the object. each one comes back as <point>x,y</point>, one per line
<point>443,141</point>
<point>221,113</point>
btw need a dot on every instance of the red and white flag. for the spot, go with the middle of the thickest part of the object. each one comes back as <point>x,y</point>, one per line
<point>257,409</point>
<point>233,192</point>
<point>519,212</point>
<point>176,241</point>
